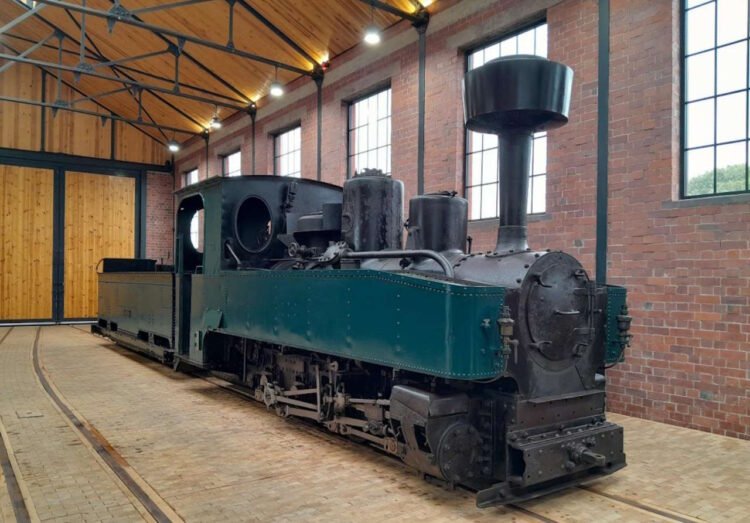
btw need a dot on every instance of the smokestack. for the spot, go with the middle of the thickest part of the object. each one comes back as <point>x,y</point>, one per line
<point>514,97</point>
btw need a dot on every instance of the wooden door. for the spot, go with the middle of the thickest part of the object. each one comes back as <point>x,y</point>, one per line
<point>99,223</point>
<point>26,228</point>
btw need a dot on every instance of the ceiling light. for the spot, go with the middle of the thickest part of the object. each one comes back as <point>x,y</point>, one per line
<point>276,89</point>
<point>173,146</point>
<point>372,35</point>
<point>215,123</point>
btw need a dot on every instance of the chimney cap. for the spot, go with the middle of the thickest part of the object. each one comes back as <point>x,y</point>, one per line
<point>517,93</point>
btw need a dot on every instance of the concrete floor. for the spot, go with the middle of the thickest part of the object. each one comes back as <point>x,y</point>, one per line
<point>97,433</point>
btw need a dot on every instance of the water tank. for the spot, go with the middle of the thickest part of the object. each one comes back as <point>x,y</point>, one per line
<point>372,217</point>
<point>438,222</point>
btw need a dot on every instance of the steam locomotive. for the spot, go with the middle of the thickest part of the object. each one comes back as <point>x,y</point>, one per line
<point>485,370</point>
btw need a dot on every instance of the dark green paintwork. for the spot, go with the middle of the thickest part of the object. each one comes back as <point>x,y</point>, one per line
<point>615,351</point>
<point>137,301</point>
<point>431,326</point>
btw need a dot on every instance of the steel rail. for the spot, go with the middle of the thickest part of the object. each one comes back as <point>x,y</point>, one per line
<point>127,19</point>
<point>99,445</point>
<point>124,81</point>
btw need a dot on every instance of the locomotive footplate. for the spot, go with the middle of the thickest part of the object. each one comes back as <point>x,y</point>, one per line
<point>554,461</point>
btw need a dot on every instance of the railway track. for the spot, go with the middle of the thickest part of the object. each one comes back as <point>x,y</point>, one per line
<point>156,507</point>
<point>161,511</point>
<point>643,508</point>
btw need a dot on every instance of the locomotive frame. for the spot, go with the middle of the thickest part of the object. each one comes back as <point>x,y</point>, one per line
<point>480,369</point>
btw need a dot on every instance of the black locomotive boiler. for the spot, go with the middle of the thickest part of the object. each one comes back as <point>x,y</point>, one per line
<point>480,369</point>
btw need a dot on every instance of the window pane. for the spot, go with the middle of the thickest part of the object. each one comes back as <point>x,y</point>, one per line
<point>700,29</point>
<point>526,42</point>
<point>730,117</point>
<point>700,76</point>
<point>191,177</point>
<point>489,201</point>
<point>288,161</point>
<point>481,149</point>
<point>539,162</point>
<point>475,169</point>
<point>489,167</point>
<point>539,194</point>
<point>731,70</point>
<point>541,40</point>
<point>370,138</point>
<point>491,52</point>
<point>475,142</point>
<point>474,203</point>
<point>730,167</point>
<point>509,47</point>
<point>700,123</point>
<point>732,21</point>
<point>700,171</point>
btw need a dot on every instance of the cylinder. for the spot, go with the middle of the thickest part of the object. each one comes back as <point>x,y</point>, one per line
<point>373,212</point>
<point>438,222</point>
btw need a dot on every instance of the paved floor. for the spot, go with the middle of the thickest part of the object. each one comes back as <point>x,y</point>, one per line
<point>186,449</point>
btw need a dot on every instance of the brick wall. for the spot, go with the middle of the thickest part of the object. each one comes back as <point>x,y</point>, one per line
<point>159,217</point>
<point>685,263</point>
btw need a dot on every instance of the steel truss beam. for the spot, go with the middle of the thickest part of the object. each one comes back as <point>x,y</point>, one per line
<point>125,17</point>
<point>60,81</point>
<point>278,32</point>
<point>197,62</point>
<point>62,107</point>
<point>21,18</point>
<point>27,52</point>
<point>125,81</point>
<point>164,7</point>
<point>97,58</point>
<point>117,72</point>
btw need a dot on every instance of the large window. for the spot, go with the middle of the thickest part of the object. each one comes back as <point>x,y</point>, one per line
<point>231,164</point>
<point>370,133</point>
<point>715,85</point>
<point>481,149</point>
<point>287,153</point>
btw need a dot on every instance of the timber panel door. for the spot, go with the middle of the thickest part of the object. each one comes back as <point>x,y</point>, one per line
<point>26,242</point>
<point>99,223</point>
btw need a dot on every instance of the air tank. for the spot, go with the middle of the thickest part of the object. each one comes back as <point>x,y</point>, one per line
<point>438,222</point>
<point>373,214</point>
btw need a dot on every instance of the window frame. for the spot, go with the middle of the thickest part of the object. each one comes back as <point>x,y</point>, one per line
<point>683,172</point>
<point>275,136</point>
<point>349,103</point>
<point>224,158</point>
<point>526,26</point>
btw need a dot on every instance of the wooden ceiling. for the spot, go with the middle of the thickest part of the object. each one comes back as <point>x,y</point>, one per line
<point>297,33</point>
